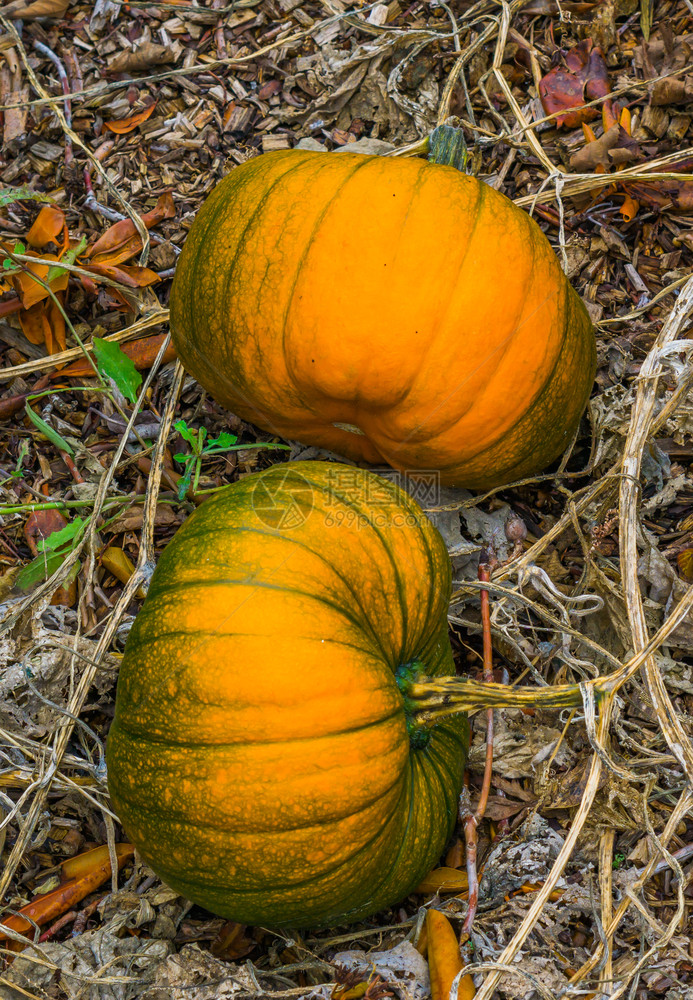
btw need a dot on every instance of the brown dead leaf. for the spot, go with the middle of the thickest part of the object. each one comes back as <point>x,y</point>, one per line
<point>499,807</point>
<point>672,90</point>
<point>231,942</point>
<point>40,525</point>
<point>568,790</point>
<point>122,126</point>
<point>13,93</point>
<point>36,8</point>
<point>611,149</point>
<point>149,54</point>
<point>11,405</point>
<point>663,54</point>
<point>582,77</point>
<point>55,341</point>
<point>664,194</point>
<point>131,520</point>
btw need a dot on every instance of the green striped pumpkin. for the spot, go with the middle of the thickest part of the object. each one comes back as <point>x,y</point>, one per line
<point>260,757</point>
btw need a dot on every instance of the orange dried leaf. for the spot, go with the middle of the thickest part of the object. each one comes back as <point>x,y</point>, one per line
<point>444,961</point>
<point>97,858</point>
<point>124,125</point>
<point>456,856</point>
<point>120,565</point>
<point>65,596</point>
<point>124,252</point>
<point>443,880</point>
<point>49,223</point>
<point>31,291</point>
<point>34,323</point>
<point>609,118</point>
<point>119,233</point>
<point>629,208</point>
<point>588,133</point>
<point>130,276</point>
<point>684,561</point>
<point>625,120</point>
<point>55,340</point>
<point>44,323</point>
<point>83,874</point>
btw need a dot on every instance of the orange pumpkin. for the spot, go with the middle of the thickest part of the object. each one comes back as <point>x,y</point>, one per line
<point>260,757</point>
<point>392,310</point>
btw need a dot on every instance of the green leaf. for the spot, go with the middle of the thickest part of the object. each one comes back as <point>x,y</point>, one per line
<point>57,539</point>
<point>69,257</point>
<point>185,481</point>
<point>19,247</point>
<point>41,568</point>
<point>186,433</point>
<point>114,363</point>
<point>46,429</point>
<point>223,441</point>
<point>8,195</point>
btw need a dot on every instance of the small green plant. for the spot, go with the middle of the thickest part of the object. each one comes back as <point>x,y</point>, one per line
<point>53,551</point>
<point>18,472</point>
<point>9,195</point>
<point>618,860</point>
<point>69,257</point>
<point>8,265</point>
<point>192,462</point>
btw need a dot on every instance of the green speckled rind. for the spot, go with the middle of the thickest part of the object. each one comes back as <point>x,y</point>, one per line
<point>259,756</point>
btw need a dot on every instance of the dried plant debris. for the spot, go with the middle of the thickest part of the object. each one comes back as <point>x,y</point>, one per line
<point>117,121</point>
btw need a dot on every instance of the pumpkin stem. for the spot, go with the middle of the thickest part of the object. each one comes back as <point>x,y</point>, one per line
<point>430,699</point>
<point>446,145</point>
<point>405,675</point>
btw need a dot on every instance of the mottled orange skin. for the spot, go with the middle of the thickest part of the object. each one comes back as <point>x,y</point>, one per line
<point>396,296</point>
<point>259,757</point>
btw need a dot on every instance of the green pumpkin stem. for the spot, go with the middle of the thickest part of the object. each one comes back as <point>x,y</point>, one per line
<point>430,699</point>
<point>446,146</point>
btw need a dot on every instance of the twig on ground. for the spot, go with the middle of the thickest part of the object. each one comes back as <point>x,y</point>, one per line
<point>471,820</point>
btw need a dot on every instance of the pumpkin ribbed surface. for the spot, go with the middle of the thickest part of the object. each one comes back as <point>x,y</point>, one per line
<point>388,309</point>
<point>259,757</point>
